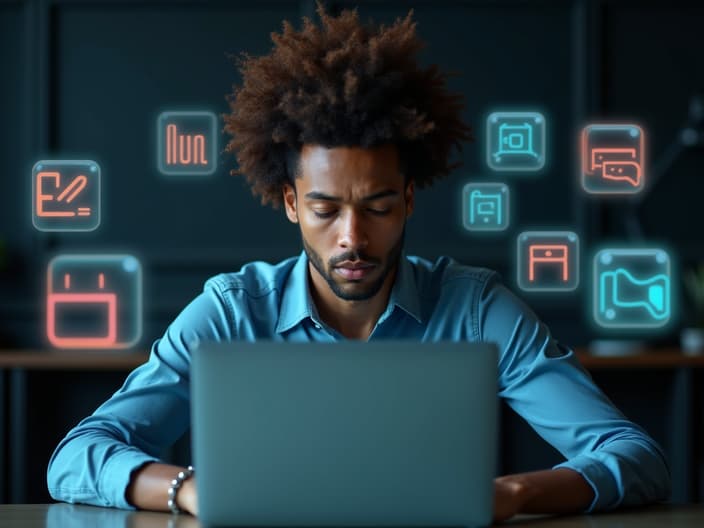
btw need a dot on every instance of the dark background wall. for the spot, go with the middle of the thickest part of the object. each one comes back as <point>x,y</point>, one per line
<point>86,79</point>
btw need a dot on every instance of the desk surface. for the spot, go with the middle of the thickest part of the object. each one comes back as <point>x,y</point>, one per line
<point>68,515</point>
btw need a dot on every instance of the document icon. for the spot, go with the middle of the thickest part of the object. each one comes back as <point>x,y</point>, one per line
<point>548,260</point>
<point>485,206</point>
<point>66,195</point>
<point>187,143</point>
<point>632,288</point>
<point>612,159</point>
<point>515,141</point>
<point>94,301</point>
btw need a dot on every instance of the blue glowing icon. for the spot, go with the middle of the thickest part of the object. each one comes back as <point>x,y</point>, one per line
<point>516,141</point>
<point>485,206</point>
<point>632,288</point>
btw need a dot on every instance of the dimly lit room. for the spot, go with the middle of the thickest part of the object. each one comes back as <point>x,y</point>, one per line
<point>372,263</point>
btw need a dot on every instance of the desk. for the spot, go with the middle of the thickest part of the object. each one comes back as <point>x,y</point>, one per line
<point>73,516</point>
<point>41,391</point>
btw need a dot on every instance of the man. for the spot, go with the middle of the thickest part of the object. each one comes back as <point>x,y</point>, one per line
<point>340,125</point>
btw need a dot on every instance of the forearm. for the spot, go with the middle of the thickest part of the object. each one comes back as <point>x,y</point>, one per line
<point>148,488</point>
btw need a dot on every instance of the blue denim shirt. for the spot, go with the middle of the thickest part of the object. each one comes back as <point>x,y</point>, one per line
<point>539,378</point>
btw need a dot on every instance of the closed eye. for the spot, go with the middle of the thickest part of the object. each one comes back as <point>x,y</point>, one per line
<point>379,212</point>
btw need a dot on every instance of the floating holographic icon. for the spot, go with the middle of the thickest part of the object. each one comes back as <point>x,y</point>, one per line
<point>548,260</point>
<point>485,206</point>
<point>94,301</point>
<point>187,143</point>
<point>632,288</point>
<point>515,141</point>
<point>612,159</point>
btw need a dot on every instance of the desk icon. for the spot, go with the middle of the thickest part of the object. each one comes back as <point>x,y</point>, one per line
<point>632,288</point>
<point>187,143</point>
<point>612,159</point>
<point>66,195</point>
<point>485,206</point>
<point>548,260</point>
<point>93,301</point>
<point>515,141</point>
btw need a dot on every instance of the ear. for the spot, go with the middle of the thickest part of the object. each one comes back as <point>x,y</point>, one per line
<point>410,198</point>
<point>289,194</point>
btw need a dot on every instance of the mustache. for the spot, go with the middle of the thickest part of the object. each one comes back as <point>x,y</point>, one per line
<point>352,256</point>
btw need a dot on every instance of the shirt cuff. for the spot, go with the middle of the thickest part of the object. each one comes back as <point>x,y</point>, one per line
<point>601,480</point>
<point>116,476</point>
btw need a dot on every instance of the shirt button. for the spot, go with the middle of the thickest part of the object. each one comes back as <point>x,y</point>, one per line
<point>317,326</point>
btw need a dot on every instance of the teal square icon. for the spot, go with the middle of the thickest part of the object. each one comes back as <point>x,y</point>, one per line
<point>485,206</point>
<point>515,141</point>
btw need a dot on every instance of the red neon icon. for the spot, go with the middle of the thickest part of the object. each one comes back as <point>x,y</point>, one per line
<point>184,149</point>
<point>612,158</point>
<point>68,194</point>
<point>548,253</point>
<point>98,300</point>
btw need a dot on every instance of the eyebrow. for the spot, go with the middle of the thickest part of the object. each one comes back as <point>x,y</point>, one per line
<point>315,195</point>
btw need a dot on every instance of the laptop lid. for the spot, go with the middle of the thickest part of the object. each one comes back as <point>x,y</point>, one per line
<point>349,433</point>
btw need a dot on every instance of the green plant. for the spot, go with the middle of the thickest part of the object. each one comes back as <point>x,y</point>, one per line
<point>694,288</point>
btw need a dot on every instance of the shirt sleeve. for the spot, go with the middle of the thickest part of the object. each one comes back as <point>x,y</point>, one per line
<point>544,382</point>
<point>94,462</point>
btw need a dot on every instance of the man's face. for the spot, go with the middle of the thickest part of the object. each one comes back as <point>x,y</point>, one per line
<point>351,204</point>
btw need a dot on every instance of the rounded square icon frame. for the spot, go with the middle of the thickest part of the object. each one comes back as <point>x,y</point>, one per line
<point>513,115</point>
<point>161,143</point>
<point>85,258</point>
<point>504,190</point>
<point>547,234</point>
<point>655,252</point>
<point>583,161</point>
<point>90,165</point>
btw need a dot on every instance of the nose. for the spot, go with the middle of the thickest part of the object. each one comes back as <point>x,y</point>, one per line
<point>352,235</point>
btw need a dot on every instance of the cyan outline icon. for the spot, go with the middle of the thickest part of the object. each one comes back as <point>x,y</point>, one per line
<point>485,206</point>
<point>632,288</point>
<point>515,141</point>
<point>187,143</point>
<point>66,195</point>
<point>613,158</point>
<point>548,261</point>
<point>94,301</point>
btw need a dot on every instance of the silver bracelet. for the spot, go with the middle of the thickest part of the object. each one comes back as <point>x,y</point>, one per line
<point>176,484</point>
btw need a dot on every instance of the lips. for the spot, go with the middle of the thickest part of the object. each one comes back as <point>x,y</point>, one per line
<point>354,270</point>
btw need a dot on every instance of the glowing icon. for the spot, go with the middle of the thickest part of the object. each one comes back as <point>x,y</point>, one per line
<point>94,301</point>
<point>66,195</point>
<point>187,143</point>
<point>516,141</point>
<point>548,260</point>
<point>485,206</point>
<point>632,288</point>
<point>612,159</point>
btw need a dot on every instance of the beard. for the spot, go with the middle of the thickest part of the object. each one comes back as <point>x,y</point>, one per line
<point>359,291</point>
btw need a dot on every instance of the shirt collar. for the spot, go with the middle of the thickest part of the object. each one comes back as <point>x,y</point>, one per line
<point>297,302</point>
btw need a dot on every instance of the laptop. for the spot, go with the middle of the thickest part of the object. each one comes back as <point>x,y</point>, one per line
<point>385,433</point>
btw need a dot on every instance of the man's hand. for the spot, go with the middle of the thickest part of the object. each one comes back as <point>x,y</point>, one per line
<point>559,490</point>
<point>187,497</point>
<point>510,496</point>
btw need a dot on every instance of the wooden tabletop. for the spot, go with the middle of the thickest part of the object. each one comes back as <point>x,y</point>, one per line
<point>76,516</point>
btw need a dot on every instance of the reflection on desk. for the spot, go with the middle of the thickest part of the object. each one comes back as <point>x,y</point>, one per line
<point>73,516</point>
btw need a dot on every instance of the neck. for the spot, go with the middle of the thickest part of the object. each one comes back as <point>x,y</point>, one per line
<point>353,319</point>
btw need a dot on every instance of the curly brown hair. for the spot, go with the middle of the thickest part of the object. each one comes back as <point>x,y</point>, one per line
<point>345,84</point>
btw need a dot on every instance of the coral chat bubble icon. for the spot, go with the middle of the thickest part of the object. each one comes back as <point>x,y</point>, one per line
<point>66,195</point>
<point>612,158</point>
<point>632,288</point>
<point>94,301</point>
